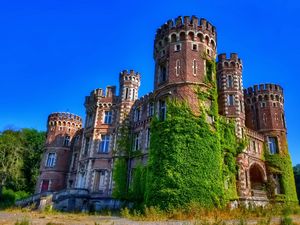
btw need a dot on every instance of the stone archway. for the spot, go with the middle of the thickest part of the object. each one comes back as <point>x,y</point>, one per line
<point>257,177</point>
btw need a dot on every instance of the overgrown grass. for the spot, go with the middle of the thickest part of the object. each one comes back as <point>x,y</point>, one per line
<point>195,212</point>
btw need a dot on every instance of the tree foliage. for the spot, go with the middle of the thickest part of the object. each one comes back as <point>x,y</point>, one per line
<point>20,156</point>
<point>297,179</point>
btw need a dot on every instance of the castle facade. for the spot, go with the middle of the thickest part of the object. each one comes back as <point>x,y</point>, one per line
<point>83,158</point>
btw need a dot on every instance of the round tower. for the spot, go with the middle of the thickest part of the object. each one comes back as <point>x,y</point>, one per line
<point>181,50</point>
<point>61,129</point>
<point>265,113</point>
<point>230,89</point>
<point>129,86</point>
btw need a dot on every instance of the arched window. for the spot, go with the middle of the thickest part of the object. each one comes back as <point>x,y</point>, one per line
<point>194,67</point>
<point>177,68</point>
<point>173,38</point>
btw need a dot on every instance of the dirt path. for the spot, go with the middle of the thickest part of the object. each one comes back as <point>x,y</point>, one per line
<point>35,218</point>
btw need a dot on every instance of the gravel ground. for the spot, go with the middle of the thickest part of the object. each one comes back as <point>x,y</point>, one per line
<point>35,218</point>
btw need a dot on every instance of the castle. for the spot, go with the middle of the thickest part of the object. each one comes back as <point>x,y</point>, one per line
<point>78,158</point>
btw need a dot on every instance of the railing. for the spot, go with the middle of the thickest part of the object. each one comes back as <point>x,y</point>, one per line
<point>32,199</point>
<point>70,192</point>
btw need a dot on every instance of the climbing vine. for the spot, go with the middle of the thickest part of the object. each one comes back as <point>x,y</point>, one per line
<point>281,164</point>
<point>185,161</point>
<point>193,158</point>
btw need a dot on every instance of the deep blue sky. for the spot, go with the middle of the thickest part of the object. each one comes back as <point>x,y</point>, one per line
<point>53,53</point>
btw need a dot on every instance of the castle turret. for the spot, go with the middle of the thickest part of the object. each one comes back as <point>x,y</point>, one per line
<point>230,90</point>
<point>61,128</point>
<point>180,50</point>
<point>129,86</point>
<point>265,112</point>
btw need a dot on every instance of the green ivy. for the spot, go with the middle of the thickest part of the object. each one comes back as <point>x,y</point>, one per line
<point>282,164</point>
<point>185,161</point>
<point>120,179</point>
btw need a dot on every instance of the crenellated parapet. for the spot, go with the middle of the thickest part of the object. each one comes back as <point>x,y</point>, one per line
<point>130,82</point>
<point>185,29</point>
<point>64,119</point>
<point>264,105</point>
<point>98,96</point>
<point>231,62</point>
<point>264,92</point>
<point>131,76</point>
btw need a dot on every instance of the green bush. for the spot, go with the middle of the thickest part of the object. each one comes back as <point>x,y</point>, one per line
<point>9,197</point>
<point>286,221</point>
<point>23,222</point>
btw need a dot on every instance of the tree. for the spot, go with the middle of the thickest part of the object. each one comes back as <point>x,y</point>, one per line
<point>33,144</point>
<point>297,179</point>
<point>10,159</point>
<point>20,156</point>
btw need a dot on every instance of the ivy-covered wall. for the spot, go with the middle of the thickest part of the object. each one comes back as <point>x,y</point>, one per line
<point>192,158</point>
<point>282,165</point>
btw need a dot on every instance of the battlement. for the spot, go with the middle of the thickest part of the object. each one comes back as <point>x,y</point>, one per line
<point>186,23</point>
<point>130,75</point>
<point>129,78</point>
<point>145,98</point>
<point>233,61</point>
<point>263,89</point>
<point>64,119</point>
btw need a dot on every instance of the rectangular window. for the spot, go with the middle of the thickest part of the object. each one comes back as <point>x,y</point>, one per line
<point>148,135</point>
<point>126,93</point>
<point>254,146</point>
<point>74,162</point>
<point>87,145</point>
<point>194,47</point>
<point>136,144</point>
<point>162,110</point>
<point>194,67</point>
<point>67,141</point>
<point>230,100</point>
<point>100,180</point>
<point>230,82</point>
<point>107,117</point>
<point>163,73</point>
<point>177,48</point>
<point>137,114</point>
<point>104,144</point>
<point>273,145</point>
<point>151,109</point>
<point>51,160</point>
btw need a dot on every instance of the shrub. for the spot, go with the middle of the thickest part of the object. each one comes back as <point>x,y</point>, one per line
<point>22,222</point>
<point>286,221</point>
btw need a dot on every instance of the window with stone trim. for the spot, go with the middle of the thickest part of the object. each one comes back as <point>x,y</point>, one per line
<point>67,141</point>
<point>136,144</point>
<point>137,114</point>
<point>51,159</point>
<point>194,67</point>
<point>162,73</point>
<point>100,181</point>
<point>104,144</point>
<point>162,110</point>
<point>150,109</point>
<point>229,81</point>
<point>177,67</point>
<point>273,145</point>
<point>148,135</point>
<point>230,100</point>
<point>87,145</point>
<point>108,117</point>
